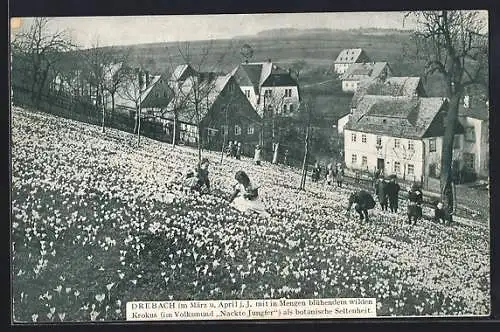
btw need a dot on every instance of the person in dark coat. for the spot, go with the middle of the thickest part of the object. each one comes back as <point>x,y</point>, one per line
<point>381,192</point>
<point>392,190</point>
<point>415,201</point>
<point>316,172</point>
<point>234,148</point>
<point>238,151</point>
<point>339,175</point>
<point>197,179</point>
<point>363,201</point>
<point>441,215</point>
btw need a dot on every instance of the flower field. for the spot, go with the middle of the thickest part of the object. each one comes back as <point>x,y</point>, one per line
<point>97,222</point>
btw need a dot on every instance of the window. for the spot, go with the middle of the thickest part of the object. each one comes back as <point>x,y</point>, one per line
<point>157,94</point>
<point>224,130</point>
<point>285,108</point>
<point>247,93</point>
<point>456,142</point>
<point>432,145</point>
<point>291,107</point>
<point>397,143</point>
<point>470,135</point>
<point>397,167</point>
<point>212,132</point>
<point>165,94</point>
<point>411,145</point>
<point>250,130</point>
<point>237,130</point>
<point>363,138</point>
<point>379,140</point>
<point>353,137</point>
<point>364,161</point>
<point>288,92</point>
<point>411,169</point>
<point>469,160</point>
<point>354,159</point>
<point>268,93</point>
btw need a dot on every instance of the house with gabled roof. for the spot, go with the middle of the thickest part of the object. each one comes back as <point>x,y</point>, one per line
<point>347,57</point>
<point>359,72</point>
<point>268,87</point>
<point>223,111</point>
<point>473,114</point>
<point>399,135</point>
<point>390,86</point>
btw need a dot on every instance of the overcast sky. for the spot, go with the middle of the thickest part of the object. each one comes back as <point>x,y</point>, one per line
<point>122,30</point>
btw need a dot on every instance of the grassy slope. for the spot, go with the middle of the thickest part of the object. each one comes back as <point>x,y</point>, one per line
<point>91,210</point>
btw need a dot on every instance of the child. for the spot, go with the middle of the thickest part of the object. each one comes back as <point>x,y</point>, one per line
<point>316,172</point>
<point>197,179</point>
<point>245,197</point>
<point>238,151</point>
<point>415,199</point>
<point>340,175</point>
<point>330,174</point>
<point>257,158</point>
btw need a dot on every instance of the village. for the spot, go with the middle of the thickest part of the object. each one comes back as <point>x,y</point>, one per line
<point>390,125</point>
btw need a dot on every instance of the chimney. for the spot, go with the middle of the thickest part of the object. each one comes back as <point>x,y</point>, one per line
<point>466,101</point>
<point>246,61</point>
<point>147,78</point>
<point>289,71</point>
<point>269,60</point>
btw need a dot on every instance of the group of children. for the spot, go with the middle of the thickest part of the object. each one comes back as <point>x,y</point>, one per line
<point>234,149</point>
<point>245,197</point>
<point>334,173</point>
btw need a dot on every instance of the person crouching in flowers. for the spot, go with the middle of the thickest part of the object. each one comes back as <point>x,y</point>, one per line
<point>245,197</point>
<point>197,180</point>
<point>363,201</point>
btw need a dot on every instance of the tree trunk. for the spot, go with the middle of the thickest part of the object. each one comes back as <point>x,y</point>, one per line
<point>139,126</point>
<point>447,153</point>
<point>199,142</point>
<point>174,132</point>
<point>304,161</point>
<point>276,147</point>
<point>112,104</point>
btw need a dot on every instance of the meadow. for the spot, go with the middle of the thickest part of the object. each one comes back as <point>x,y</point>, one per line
<point>98,221</point>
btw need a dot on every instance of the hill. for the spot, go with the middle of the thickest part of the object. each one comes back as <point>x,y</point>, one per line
<point>98,222</point>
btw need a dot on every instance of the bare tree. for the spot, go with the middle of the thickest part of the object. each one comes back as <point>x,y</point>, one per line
<point>308,117</point>
<point>454,45</point>
<point>133,89</point>
<point>197,89</point>
<point>40,49</point>
<point>98,63</point>
<point>115,77</point>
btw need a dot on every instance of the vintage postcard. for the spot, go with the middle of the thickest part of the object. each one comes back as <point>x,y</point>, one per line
<point>250,167</point>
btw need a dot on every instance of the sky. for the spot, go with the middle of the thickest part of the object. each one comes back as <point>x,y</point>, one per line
<point>126,30</point>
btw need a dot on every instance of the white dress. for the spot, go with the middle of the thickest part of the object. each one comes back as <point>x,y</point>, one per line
<point>244,204</point>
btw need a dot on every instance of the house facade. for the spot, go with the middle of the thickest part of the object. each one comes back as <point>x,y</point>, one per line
<point>474,117</point>
<point>399,135</point>
<point>347,57</point>
<point>268,87</point>
<point>224,112</point>
<point>358,72</point>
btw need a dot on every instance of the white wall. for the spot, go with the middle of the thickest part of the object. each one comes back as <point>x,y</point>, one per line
<point>252,98</point>
<point>480,146</point>
<point>278,98</point>
<point>349,85</point>
<point>387,151</point>
<point>341,68</point>
<point>342,122</point>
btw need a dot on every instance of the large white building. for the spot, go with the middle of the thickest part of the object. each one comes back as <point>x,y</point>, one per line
<point>347,57</point>
<point>268,87</point>
<point>399,135</point>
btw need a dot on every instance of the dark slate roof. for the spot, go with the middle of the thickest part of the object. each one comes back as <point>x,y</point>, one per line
<point>349,55</point>
<point>280,79</point>
<point>405,117</point>
<point>360,71</point>
<point>187,112</point>
<point>392,86</point>
<point>477,111</point>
